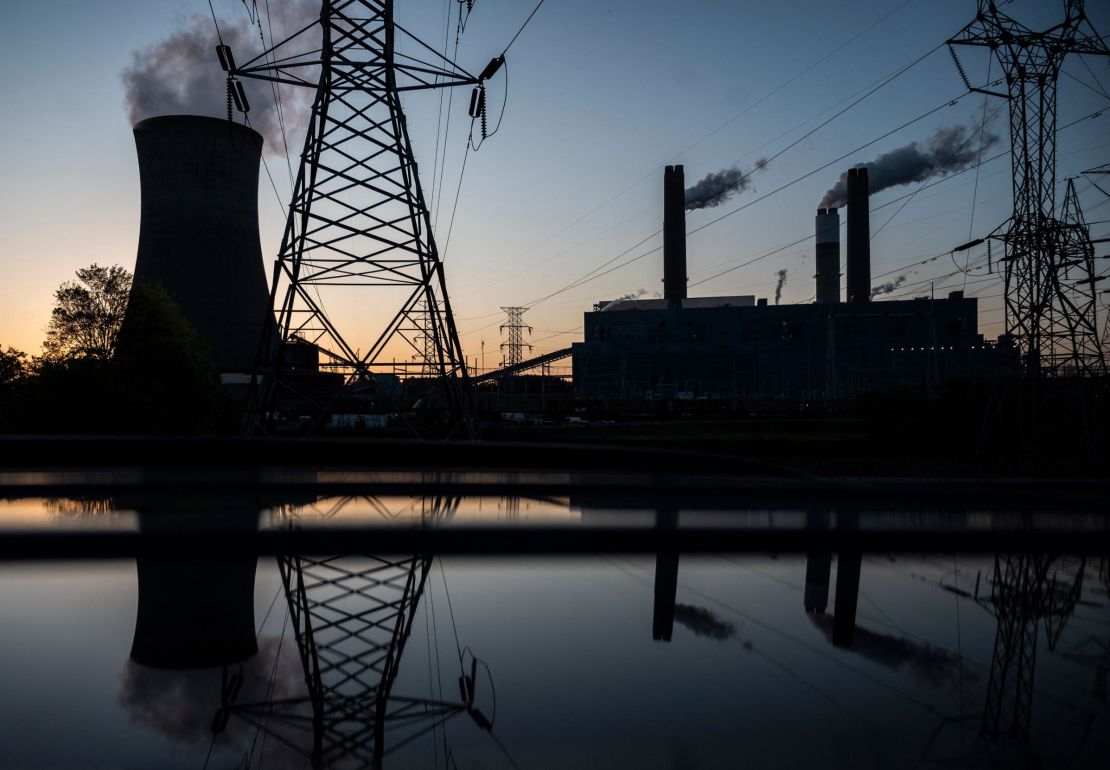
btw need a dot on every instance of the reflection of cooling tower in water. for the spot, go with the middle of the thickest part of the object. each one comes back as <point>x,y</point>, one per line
<point>195,611</point>
<point>199,234</point>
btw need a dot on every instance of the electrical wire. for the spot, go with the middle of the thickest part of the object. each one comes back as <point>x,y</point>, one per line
<point>522,26</point>
<point>705,137</point>
<point>595,274</point>
<point>455,205</point>
<point>212,10</point>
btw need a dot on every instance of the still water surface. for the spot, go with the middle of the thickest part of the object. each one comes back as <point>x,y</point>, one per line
<point>576,662</point>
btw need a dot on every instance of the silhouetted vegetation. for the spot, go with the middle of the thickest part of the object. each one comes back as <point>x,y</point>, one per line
<point>117,359</point>
<point>87,314</point>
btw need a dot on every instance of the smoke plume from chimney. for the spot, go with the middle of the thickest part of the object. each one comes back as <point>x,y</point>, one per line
<point>778,286</point>
<point>631,295</point>
<point>888,287</point>
<point>181,75</point>
<point>949,149</point>
<point>717,187</point>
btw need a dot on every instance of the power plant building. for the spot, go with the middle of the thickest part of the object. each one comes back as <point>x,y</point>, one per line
<point>743,348</point>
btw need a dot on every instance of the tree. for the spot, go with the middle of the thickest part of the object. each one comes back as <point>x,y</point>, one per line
<point>13,366</point>
<point>88,313</point>
<point>163,371</point>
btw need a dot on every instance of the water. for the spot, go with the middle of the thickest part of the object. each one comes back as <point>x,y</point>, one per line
<point>207,656</point>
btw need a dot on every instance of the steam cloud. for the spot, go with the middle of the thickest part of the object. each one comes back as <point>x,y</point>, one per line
<point>887,288</point>
<point>181,703</point>
<point>181,75</point>
<point>929,665</point>
<point>949,149</point>
<point>703,622</point>
<point>632,295</point>
<point>717,187</point>
<point>778,286</point>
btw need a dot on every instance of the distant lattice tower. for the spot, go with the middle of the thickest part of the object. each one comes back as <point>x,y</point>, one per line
<point>1075,342</point>
<point>1053,329</point>
<point>514,347</point>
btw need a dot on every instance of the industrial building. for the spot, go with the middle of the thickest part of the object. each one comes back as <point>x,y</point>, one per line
<point>743,348</point>
<point>198,236</point>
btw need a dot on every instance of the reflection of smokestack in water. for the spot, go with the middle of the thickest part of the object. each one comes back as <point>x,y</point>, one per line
<point>674,237</point>
<point>859,237</point>
<point>828,256</point>
<point>666,580</point>
<point>818,569</point>
<point>847,597</point>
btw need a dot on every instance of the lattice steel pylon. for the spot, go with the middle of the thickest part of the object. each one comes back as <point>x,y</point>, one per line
<point>1054,333</point>
<point>515,345</point>
<point>351,618</point>
<point>1028,589</point>
<point>358,218</point>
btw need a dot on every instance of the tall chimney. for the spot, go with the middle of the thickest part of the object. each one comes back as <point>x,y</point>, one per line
<point>674,237</point>
<point>198,237</point>
<point>828,256</point>
<point>859,236</point>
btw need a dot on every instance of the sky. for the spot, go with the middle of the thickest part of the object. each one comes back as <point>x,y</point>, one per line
<point>600,96</point>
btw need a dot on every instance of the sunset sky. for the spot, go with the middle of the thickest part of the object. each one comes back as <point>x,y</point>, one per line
<point>601,95</point>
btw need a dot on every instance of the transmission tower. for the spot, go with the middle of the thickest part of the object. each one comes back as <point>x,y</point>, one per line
<point>1054,329</point>
<point>351,618</point>
<point>516,344</point>
<point>1027,590</point>
<point>1076,343</point>
<point>358,222</point>
<point>426,348</point>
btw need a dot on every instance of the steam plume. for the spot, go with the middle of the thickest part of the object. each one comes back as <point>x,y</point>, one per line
<point>180,703</point>
<point>717,187</point>
<point>180,75</point>
<point>778,286</point>
<point>887,288</point>
<point>930,665</point>
<point>704,622</point>
<point>632,295</point>
<point>949,149</point>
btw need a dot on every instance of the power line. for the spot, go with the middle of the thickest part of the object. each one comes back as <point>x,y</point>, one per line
<point>522,26</point>
<point>728,122</point>
<point>593,275</point>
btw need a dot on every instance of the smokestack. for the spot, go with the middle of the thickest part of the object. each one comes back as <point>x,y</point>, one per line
<point>828,256</point>
<point>674,237</point>
<point>859,236</point>
<point>198,238</point>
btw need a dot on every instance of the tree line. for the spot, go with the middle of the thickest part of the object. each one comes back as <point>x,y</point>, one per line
<point>118,357</point>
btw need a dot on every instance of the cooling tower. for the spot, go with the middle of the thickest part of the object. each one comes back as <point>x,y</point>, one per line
<point>859,236</point>
<point>828,256</point>
<point>674,236</point>
<point>198,238</point>
<point>195,610</point>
